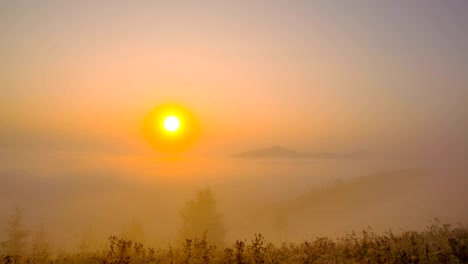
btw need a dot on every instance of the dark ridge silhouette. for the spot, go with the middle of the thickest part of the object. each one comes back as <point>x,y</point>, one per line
<point>282,152</point>
<point>362,191</point>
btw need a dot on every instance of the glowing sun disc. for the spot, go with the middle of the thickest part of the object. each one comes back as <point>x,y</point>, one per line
<point>171,123</point>
<point>171,128</point>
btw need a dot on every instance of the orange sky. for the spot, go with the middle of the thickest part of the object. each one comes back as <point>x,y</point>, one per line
<point>84,75</point>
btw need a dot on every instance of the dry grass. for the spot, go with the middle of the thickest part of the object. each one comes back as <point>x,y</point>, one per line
<point>439,243</point>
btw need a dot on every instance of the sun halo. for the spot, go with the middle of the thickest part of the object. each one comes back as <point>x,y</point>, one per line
<point>171,128</point>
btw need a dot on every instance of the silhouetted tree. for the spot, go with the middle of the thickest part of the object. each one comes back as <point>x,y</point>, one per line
<point>40,247</point>
<point>39,242</point>
<point>200,217</point>
<point>16,235</point>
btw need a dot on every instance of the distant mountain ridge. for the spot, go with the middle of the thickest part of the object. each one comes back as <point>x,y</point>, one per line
<point>283,152</point>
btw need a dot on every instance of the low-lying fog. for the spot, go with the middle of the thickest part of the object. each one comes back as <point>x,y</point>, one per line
<point>77,194</point>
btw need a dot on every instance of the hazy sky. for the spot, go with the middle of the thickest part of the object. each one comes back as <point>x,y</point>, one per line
<point>313,75</point>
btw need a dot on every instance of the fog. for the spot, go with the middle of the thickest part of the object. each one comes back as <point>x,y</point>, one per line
<point>75,193</point>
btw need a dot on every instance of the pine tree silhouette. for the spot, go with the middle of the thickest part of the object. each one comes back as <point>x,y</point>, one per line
<point>39,242</point>
<point>17,235</point>
<point>200,217</point>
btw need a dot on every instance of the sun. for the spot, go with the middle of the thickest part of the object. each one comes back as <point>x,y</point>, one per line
<point>171,128</point>
<point>171,123</point>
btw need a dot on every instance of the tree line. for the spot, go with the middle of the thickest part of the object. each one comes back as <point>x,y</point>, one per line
<point>200,218</point>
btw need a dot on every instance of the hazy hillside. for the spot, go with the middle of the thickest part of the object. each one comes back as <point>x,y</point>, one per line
<point>362,191</point>
<point>388,200</point>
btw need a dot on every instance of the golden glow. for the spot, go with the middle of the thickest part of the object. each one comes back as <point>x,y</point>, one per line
<point>171,128</point>
<point>171,123</point>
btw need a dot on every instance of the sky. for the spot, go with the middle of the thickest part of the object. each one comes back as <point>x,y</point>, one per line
<point>384,76</point>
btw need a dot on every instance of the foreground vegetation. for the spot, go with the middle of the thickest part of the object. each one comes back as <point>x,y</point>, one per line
<point>439,243</point>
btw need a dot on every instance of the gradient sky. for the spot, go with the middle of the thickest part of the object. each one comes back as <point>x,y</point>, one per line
<point>384,76</point>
